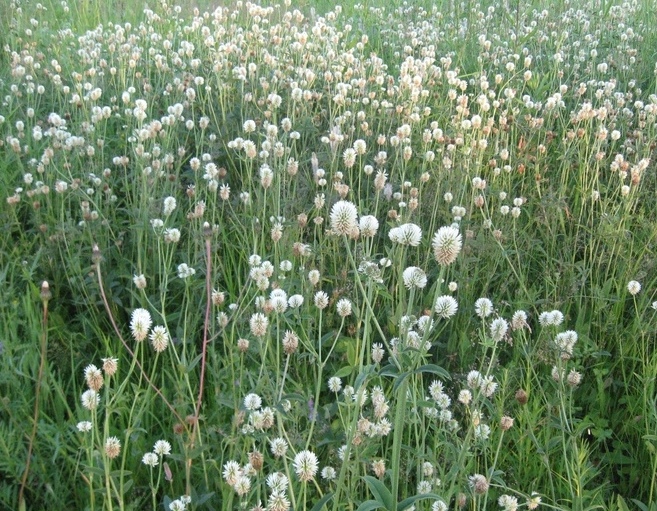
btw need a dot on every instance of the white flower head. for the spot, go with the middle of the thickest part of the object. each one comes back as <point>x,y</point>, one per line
<point>252,402</point>
<point>406,234</point>
<point>139,281</point>
<point>84,426</point>
<point>140,324</point>
<point>335,384</point>
<point>169,206</point>
<point>368,225</point>
<point>162,448</point>
<point>344,217</point>
<point>112,447</point>
<point>343,307</point>
<point>414,277</point>
<point>185,271</point>
<point>483,307</point>
<point>445,306</point>
<point>305,465</point>
<point>150,459</point>
<point>259,323</point>
<point>447,243</point>
<point>321,300</point>
<point>159,338</point>
<point>498,329</point>
<point>633,287</point>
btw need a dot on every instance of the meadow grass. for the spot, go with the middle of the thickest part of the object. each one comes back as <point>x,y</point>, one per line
<point>282,256</point>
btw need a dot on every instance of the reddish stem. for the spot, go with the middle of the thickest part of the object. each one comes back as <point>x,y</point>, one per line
<point>132,354</point>
<point>206,324</point>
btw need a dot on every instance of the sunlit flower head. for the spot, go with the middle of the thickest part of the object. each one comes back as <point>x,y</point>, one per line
<point>150,459</point>
<point>305,465</point>
<point>159,338</point>
<point>343,307</point>
<point>406,234</point>
<point>259,323</point>
<point>252,402</point>
<point>278,447</point>
<point>483,307</point>
<point>93,377</point>
<point>414,277</point>
<point>140,324</point>
<point>447,243</point>
<point>162,448</point>
<point>112,447</point>
<point>344,217</point>
<point>445,306</point>
<point>368,225</point>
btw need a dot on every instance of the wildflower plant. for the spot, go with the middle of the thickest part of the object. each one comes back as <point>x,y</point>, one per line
<point>301,257</point>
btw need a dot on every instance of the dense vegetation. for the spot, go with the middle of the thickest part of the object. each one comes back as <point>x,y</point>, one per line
<point>359,257</point>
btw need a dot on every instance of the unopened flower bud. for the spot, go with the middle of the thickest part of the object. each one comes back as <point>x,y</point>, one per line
<point>96,256</point>
<point>521,397</point>
<point>46,294</point>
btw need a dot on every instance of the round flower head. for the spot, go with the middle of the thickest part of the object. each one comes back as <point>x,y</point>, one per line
<point>290,342</point>
<point>252,402</point>
<point>498,329</point>
<point>278,447</point>
<point>414,277</point>
<point>321,299</point>
<point>169,205</point>
<point>406,234</point>
<point>84,426</point>
<point>483,307</point>
<point>305,465</point>
<point>343,307</point>
<point>150,459</point>
<point>633,287</point>
<point>162,448</point>
<point>112,447</point>
<point>159,338</point>
<point>368,226</point>
<point>329,473</point>
<point>344,216</point>
<point>140,324</point>
<point>295,301</point>
<point>445,306</point>
<point>110,365</point>
<point>139,281</point>
<point>90,399</point>
<point>94,377</point>
<point>259,324</point>
<point>447,243</point>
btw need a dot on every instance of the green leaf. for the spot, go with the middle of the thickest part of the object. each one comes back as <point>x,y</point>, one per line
<point>203,498</point>
<point>345,371</point>
<point>638,504</point>
<point>622,506</point>
<point>434,369</point>
<point>389,370</point>
<point>360,379</point>
<point>320,503</point>
<point>380,492</point>
<point>399,380</point>
<point>369,505</point>
<point>406,503</point>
